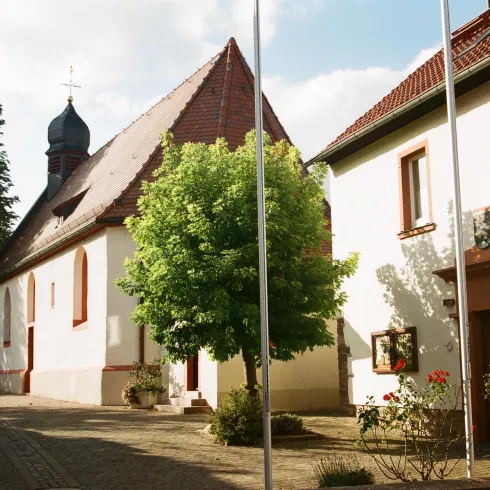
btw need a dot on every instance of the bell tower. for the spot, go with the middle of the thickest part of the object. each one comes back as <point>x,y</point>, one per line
<point>69,140</point>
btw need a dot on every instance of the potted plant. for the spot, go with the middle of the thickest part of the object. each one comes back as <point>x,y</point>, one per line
<point>148,384</point>
<point>130,395</point>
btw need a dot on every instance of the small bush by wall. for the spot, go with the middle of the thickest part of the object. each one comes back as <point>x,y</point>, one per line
<point>338,471</point>
<point>238,419</point>
<point>286,424</point>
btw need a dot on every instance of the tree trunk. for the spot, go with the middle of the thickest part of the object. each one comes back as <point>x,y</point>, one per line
<point>249,370</point>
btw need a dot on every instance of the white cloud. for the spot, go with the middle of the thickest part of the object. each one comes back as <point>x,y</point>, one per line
<point>128,54</point>
<point>316,111</point>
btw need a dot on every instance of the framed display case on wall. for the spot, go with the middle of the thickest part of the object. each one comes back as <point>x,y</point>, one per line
<point>389,346</point>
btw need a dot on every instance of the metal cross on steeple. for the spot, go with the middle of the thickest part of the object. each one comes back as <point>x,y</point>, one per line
<point>71,85</point>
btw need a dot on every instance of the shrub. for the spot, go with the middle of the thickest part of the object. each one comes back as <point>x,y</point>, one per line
<point>238,419</point>
<point>338,471</point>
<point>148,377</point>
<point>412,437</point>
<point>286,423</point>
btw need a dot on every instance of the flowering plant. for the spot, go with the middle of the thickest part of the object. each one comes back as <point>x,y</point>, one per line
<point>413,436</point>
<point>486,385</point>
<point>129,393</point>
<point>148,377</point>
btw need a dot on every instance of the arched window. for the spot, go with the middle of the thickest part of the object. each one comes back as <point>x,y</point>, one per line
<point>7,318</point>
<point>80,287</point>
<point>31,299</point>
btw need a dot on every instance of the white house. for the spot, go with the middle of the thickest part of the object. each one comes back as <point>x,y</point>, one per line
<point>66,329</point>
<point>392,201</point>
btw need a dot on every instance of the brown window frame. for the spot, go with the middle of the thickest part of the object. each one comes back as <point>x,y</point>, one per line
<point>406,225</point>
<point>392,333</point>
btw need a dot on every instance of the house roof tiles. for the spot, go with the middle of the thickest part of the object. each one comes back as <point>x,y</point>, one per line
<point>429,75</point>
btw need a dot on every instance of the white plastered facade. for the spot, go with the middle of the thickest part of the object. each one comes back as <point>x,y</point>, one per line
<point>91,365</point>
<point>88,364</point>
<point>394,285</point>
<point>310,382</point>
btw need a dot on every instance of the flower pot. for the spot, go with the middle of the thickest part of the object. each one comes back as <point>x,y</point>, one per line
<point>146,399</point>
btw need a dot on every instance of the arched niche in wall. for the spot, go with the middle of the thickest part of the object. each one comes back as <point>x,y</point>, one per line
<point>7,318</point>
<point>80,288</point>
<point>31,298</point>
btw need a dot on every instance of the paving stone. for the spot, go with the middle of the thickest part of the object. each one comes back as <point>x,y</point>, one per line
<point>113,448</point>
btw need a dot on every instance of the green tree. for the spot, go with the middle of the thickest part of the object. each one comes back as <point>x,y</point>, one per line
<point>7,216</point>
<point>196,268</point>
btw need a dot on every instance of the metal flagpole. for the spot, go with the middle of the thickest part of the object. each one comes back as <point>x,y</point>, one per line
<point>458,227</point>
<point>264,314</point>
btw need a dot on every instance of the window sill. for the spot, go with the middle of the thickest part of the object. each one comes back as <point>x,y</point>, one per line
<point>6,343</point>
<point>80,325</point>
<point>387,371</point>
<point>417,231</point>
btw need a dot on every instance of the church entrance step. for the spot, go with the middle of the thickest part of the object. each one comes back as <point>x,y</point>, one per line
<point>182,410</point>
<point>191,394</point>
<point>188,402</point>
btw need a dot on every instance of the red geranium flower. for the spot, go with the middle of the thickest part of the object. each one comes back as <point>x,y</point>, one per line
<point>441,380</point>
<point>396,398</point>
<point>400,365</point>
<point>386,398</point>
<point>391,394</point>
<point>430,378</point>
<point>446,373</point>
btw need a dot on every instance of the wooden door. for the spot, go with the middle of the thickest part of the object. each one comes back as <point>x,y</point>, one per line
<point>30,360</point>
<point>480,365</point>
<point>192,373</point>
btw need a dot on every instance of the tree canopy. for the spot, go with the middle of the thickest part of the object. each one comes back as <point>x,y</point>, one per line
<point>196,265</point>
<point>7,216</point>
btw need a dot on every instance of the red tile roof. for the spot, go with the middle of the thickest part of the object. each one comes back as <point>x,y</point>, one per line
<point>427,76</point>
<point>218,100</point>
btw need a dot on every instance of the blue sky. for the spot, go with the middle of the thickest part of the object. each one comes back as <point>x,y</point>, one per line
<point>325,62</point>
<point>362,33</point>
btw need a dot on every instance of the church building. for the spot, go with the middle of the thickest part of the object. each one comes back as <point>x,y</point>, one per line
<point>65,327</point>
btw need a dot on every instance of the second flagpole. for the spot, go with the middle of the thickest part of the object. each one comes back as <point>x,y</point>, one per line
<point>264,313</point>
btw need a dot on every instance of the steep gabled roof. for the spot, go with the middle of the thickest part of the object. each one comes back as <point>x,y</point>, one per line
<point>217,100</point>
<point>470,45</point>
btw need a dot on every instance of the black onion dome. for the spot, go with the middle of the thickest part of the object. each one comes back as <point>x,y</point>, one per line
<point>68,131</point>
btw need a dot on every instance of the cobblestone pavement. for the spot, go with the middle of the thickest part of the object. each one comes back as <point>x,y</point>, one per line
<point>53,444</point>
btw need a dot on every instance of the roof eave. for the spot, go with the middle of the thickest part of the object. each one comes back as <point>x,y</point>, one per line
<point>384,122</point>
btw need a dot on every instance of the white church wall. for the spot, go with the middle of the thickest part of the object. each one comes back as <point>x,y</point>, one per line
<point>122,334</point>
<point>177,381</point>
<point>67,361</point>
<point>208,378</point>
<point>310,382</point>
<point>394,286</point>
<point>13,359</point>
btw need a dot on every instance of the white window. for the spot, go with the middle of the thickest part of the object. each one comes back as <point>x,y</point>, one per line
<point>419,191</point>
